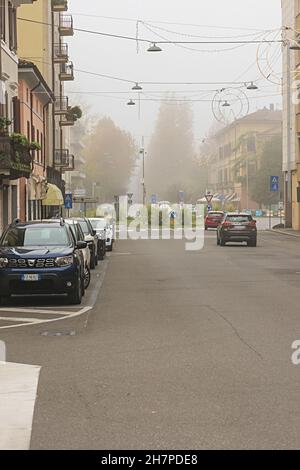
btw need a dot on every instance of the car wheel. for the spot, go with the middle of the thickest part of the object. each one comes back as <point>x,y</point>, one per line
<point>222,242</point>
<point>75,297</point>
<point>93,261</point>
<point>218,241</point>
<point>206,228</point>
<point>96,258</point>
<point>252,243</point>
<point>87,277</point>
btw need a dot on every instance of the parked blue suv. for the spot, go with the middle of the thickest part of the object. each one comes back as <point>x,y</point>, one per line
<point>41,258</point>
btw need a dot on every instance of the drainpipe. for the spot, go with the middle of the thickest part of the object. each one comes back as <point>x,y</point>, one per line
<point>31,113</point>
<point>46,106</point>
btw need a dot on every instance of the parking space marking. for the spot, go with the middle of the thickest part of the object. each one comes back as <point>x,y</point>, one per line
<point>67,312</point>
<point>35,321</point>
<point>31,310</point>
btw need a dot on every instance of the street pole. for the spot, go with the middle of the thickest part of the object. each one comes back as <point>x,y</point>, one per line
<point>247,182</point>
<point>288,182</point>
<point>143,168</point>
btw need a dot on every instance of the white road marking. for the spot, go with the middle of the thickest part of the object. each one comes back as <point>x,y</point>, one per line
<point>18,391</point>
<point>63,315</point>
<point>26,310</point>
<point>39,321</point>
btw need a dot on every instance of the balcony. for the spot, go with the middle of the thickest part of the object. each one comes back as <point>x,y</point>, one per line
<point>66,25</point>
<point>67,72</point>
<point>15,161</point>
<point>66,121</point>
<point>60,53</point>
<point>59,5</point>
<point>63,160</point>
<point>61,105</point>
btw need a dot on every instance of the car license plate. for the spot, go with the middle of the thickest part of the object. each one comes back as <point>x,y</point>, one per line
<point>31,277</point>
<point>239,227</point>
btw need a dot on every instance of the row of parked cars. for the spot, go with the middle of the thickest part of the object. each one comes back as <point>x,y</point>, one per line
<point>232,227</point>
<point>53,256</point>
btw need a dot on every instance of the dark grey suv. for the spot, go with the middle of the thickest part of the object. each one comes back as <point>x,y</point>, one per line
<point>237,227</point>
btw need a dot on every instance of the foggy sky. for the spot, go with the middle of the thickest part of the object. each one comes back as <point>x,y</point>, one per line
<point>119,57</point>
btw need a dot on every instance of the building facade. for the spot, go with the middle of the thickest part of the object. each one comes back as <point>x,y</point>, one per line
<point>291,110</point>
<point>43,30</point>
<point>15,158</point>
<point>237,156</point>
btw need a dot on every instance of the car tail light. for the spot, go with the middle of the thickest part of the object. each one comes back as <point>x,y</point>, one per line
<point>227,224</point>
<point>252,223</point>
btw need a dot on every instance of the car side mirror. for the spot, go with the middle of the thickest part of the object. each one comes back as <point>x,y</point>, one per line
<point>94,232</point>
<point>81,245</point>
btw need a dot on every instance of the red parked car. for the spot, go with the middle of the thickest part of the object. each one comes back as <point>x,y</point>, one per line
<point>213,219</point>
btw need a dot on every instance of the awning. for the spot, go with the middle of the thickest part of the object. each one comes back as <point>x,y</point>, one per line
<point>54,196</point>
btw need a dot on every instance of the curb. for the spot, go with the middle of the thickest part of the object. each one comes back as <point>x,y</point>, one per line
<point>284,233</point>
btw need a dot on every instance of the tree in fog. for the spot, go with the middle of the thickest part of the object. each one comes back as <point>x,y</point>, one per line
<point>110,153</point>
<point>271,165</point>
<point>170,156</point>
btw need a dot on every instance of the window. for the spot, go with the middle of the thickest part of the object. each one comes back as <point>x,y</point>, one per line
<point>27,95</point>
<point>32,140</point>
<point>12,22</point>
<point>28,130</point>
<point>2,19</point>
<point>42,148</point>
<point>38,141</point>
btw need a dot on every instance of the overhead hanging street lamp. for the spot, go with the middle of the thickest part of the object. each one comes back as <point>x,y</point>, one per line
<point>294,45</point>
<point>252,86</point>
<point>137,87</point>
<point>154,48</point>
<point>131,103</point>
<point>226,104</point>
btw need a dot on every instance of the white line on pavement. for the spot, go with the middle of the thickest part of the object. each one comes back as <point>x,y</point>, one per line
<point>18,391</point>
<point>30,310</point>
<point>36,321</point>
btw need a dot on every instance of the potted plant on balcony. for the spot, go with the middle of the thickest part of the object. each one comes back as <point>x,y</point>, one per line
<point>4,124</point>
<point>74,113</point>
<point>23,147</point>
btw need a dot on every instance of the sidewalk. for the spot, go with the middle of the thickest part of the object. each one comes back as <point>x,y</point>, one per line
<point>286,231</point>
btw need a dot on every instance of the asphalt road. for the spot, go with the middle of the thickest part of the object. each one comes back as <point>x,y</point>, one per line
<point>182,350</point>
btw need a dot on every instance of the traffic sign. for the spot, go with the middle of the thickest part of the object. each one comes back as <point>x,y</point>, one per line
<point>274,184</point>
<point>209,197</point>
<point>80,192</point>
<point>69,201</point>
<point>85,200</point>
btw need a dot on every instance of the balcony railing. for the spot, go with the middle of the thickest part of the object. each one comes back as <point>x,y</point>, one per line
<point>61,105</point>
<point>61,53</point>
<point>66,72</point>
<point>15,161</point>
<point>63,160</point>
<point>66,25</point>
<point>59,5</point>
<point>66,121</point>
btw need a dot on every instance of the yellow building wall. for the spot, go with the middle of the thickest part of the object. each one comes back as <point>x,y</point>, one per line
<point>34,39</point>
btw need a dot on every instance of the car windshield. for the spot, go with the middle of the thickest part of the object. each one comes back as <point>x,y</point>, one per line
<point>35,236</point>
<point>98,223</point>
<point>85,227</point>
<point>239,218</point>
